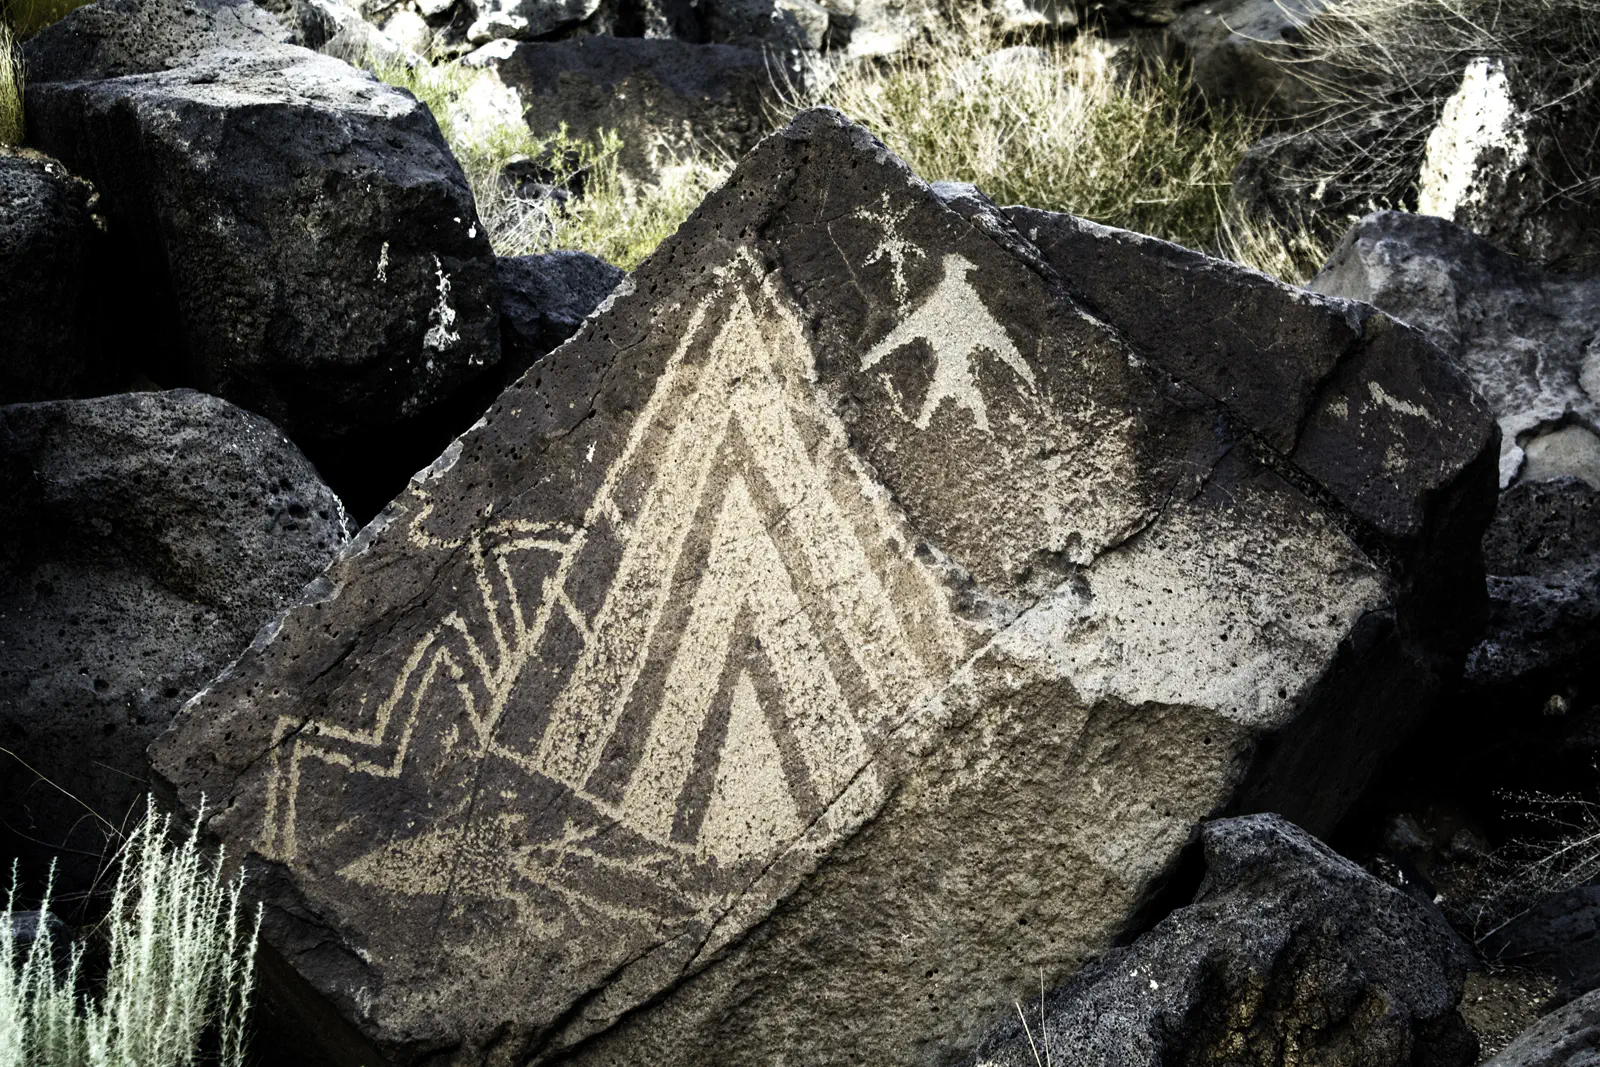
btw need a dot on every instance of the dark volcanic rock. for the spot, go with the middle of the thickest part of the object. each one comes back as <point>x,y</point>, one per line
<point>662,96</point>
<point>841,630</point>
<point>146,537</point>
<point>544,299</point>
<point>1569,1037</point>
<point>1290,953</point>
<point>1560,936</point>
<point>1530,342</point>
<point>297,236</point>
<point>50,286</point>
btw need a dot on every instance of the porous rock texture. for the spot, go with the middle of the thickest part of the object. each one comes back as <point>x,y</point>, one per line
<point>50,252</point>
<point>296,235</point>
<point>841,630</point>
<point>1567,1037</point>
<point>146,538</point>
<point>663,97</point>
<point>1530,342</point>
<point>1290,953</point>
<point>544,299</point>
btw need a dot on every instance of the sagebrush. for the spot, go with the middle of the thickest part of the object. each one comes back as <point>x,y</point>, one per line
<point>180,969</point>
<point>10,89</point>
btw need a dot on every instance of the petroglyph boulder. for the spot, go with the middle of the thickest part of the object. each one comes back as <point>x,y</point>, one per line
<point>841,630</point>
<point>1530,342</point>
<point>294,234</point>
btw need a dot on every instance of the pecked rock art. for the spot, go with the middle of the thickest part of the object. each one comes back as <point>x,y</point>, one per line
<point>844,628</point>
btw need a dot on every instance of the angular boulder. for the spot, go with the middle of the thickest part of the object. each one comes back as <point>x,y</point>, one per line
<point>1290,953</point>
<point>544,299</point>
<point>664,97</point>
<point>1527,339</point>
<point>51,245</point>
<point>146,538</point>
<point>1242,53</point>
<point>842,629</point>
<point>1567,1037</point>
<point>295,234</point>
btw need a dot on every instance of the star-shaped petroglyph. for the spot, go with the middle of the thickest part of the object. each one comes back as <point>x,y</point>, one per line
<point>892,246</point>
<point>955,323</point>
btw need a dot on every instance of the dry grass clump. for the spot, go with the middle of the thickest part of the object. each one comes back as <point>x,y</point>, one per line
<point>179,975</point>
<point>1378,73</point>
<point>604,214</point>
<point>10,89</point>
<point>1061,127</point>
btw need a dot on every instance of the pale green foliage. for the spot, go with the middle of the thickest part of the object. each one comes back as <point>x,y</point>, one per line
<point>10,89</point>
<point>1063,127</point>
<point>181,965</point>
<point>618,220</point>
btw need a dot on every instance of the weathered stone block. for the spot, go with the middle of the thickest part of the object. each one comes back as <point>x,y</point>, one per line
<point>842,629</point>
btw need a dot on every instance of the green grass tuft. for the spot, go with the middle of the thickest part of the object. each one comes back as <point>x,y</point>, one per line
<point>27,17</point>
<point>618,220</point>
<point>11,128</point>
<point>179,976</point>
<point>1060,127</point>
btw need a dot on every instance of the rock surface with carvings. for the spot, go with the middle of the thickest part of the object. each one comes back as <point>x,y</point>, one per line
<point>1290,953</point>
<point>846,629</point>
<point>1530,341</point>
<point>146,538</point>
<point>293,235</point>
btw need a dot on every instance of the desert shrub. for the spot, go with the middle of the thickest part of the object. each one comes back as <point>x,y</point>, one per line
<point>618,220</point>
<point>1063,127</point>
<point>10,89</point>
<point>1377,74</point>
<point>179,969</point>
<point>27,17</point>
<point>1292,252</point>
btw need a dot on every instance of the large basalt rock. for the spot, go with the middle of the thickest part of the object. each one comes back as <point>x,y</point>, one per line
<point>1559,936</point>
<point>664,97</point>
<point>842,629</point>
<point>1290,953</point>
<point>1530,342</point>
<point>51,245</point>
<point>545,298</point>
<point>1243,53</point>
<point>146,537</point>
<point>1568,1037</point>
<point>296,236</point>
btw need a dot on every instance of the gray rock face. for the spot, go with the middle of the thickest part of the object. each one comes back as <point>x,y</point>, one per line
<point>1568,1037</point>
<point>51,245</point>
<point>1530,341</point>
<point>662,96</point>
<point>795,24</point>
<point>525,19</point>
<point>305,243</point>
<point>1290,953</point>
<point>841,629</point>
<point>1237,48</point>
<point>545,298</point>
<point>146,538</point>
